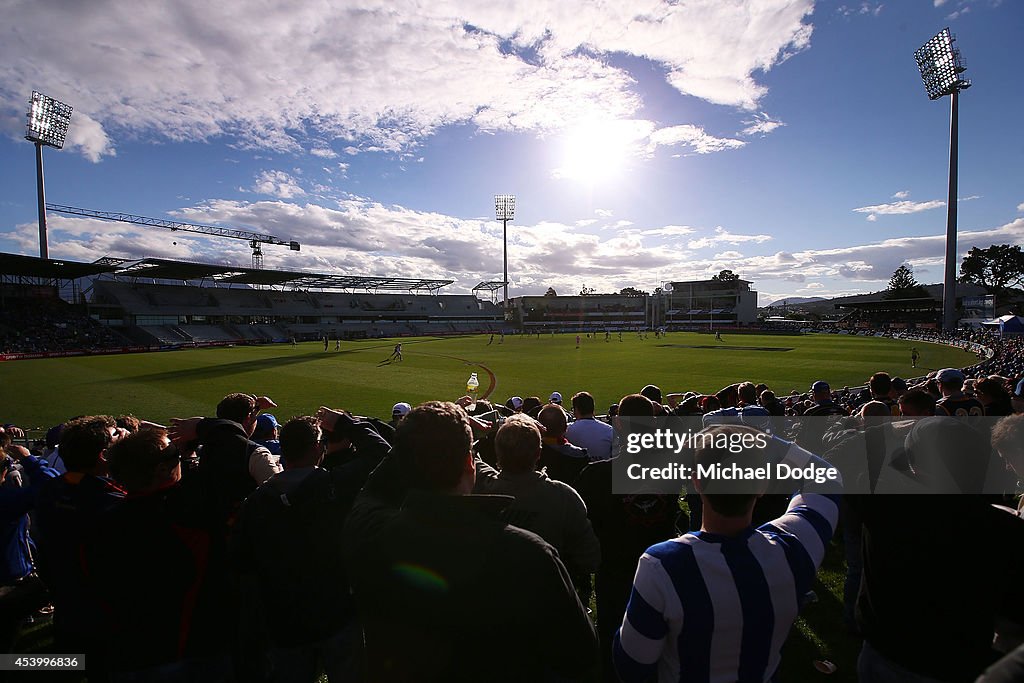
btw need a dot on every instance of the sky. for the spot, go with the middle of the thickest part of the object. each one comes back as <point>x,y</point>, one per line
<point>790,141</point>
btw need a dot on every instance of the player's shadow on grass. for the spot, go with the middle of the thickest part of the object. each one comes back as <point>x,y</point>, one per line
<point>227,369</point>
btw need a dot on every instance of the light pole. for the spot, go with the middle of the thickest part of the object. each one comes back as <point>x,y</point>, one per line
<point>48,122</point>
<point>940,65</point>
<point>504,211</point>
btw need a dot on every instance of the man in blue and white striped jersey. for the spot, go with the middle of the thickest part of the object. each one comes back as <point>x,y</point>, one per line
<point>717,604</point>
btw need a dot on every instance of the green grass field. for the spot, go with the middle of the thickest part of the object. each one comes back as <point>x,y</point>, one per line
<point>158,386</point>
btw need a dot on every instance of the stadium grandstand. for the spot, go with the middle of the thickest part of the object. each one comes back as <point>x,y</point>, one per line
<point>128,303</point>
<point>870,311</point>
<point>582,312</point>
<point>698,303</point>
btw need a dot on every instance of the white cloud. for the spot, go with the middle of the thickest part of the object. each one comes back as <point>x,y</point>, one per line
<point>900,207</point>
<point>1020,207</point>
<point>607,213</point>
<point>87,135</point>
<point>192,71</point>
<point>865,8</point>
<point>761,124</point>
<point>669,231</point>
<point>695,137</point>
<point>360,236</point>
<point>872,217</point>
<point>939,3</point>
<point>723,236</point>
<point>277,184</point>
<point>323,152</point>
<point>902,194</point>
<point>874,262</point>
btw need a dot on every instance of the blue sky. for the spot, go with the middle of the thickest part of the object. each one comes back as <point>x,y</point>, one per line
<point>788,140</point>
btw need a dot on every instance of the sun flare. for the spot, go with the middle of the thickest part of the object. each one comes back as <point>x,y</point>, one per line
<point>597,150</point>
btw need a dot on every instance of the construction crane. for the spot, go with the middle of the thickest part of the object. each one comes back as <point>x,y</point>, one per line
<point>256,240</point>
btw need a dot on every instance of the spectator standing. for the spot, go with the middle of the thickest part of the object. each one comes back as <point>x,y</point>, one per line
<point>160,573</point>
<point>994,397</point>
<point>443,574</point>
<point>587,431</point>
<point>819,417</point>
<point>288,540</point>
<point>625,525</point>
<point>716,605</point>
<point>266,433</point>
<point>560,459</point>
<point>913,630</point>
<point>399,411</point>
<point>551,509</point>
<point>954,401</point>
<point>21,591</point>
<point>880,387</point>
<point>231,464</point>
<point>67,513</point>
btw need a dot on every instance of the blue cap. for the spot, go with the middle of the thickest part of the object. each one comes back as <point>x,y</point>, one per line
<point>266,423</point>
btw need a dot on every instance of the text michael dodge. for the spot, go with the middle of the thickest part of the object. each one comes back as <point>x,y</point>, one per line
<point>733,472</point>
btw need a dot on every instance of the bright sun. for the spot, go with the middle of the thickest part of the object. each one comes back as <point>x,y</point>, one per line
<point>596,150</point>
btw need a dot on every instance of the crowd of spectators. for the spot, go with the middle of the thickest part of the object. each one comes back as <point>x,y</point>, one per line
<point>468,541</point>
<point>41,327</point>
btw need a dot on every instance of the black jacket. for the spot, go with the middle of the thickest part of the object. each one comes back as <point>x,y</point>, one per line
<point>222,481</point>
<point>161,576</point>
<point>563,462</point>
<point>938,569</point>
<point>443,585</point>
<point>288,537</point>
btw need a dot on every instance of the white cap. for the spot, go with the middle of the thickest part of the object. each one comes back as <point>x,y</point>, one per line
<point>555,397</point>
<point>400,409</point>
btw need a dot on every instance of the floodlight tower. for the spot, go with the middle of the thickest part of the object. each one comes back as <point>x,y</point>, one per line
<point>48,122</point>
<point>504,211</point>
<point>940,65</point>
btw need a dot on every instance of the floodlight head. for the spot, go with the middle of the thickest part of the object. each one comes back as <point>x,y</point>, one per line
<point>505,206</point>
<point>48,120</point>
<point>941,66</point>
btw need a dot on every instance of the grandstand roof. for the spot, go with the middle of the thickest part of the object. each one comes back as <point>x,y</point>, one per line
<point>490,285</point>
<point>921,303</point>
<point>161,269</point>
<point>164,269</point>
<point>33,266</point>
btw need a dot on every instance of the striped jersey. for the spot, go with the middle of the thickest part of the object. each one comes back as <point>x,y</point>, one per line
<point>708,608</point>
